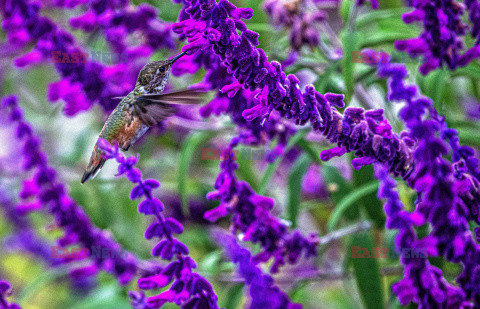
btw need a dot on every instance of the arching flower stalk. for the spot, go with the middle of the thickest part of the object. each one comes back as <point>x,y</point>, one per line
<point>187,288</point>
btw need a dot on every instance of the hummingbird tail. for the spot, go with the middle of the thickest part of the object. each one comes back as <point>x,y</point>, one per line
<point>93,169</point>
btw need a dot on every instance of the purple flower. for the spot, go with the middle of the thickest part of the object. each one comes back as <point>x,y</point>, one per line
<point>447,195</point>
<point>45,191</point>
<point>301,21</point>
<point>251,217</point>
<point>422,282</point>
<point>5,290</point>
<point>441,42</point>
<point>187,288</point>
<point>263,292</point>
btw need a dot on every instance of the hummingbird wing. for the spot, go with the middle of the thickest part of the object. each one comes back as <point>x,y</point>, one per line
<point>153,108</point>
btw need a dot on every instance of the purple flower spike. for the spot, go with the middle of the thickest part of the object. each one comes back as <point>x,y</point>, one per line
<point>263,293</point>
<point>273,94</point>
<point>447,197</point>
<point>299,18</point>
<point>187,289</point>
<point>441,42</point>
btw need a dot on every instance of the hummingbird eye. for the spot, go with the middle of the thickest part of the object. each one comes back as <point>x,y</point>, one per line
<point>162,69</point>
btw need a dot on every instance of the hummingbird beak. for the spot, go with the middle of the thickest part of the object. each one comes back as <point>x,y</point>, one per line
<point>176,58</point>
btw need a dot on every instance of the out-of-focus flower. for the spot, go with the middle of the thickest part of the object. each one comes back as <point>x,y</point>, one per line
<point>301,22</point>
<point>252,218</point>
<point>441,42</point>
<point>263,292</point>
<point>187,288</point>
<point>5,289</point>
<point>44,191</point>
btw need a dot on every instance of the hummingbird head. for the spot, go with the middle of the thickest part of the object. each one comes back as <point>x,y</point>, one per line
<point>154,75</point>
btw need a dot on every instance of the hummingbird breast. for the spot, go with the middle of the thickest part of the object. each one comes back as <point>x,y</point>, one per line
<point>123,127</point>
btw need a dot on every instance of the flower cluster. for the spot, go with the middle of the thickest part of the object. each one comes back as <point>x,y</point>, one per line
<point>233,101</point>
<point>252,218</point>
<point>5,289</point>
<point>302,22</point>
<point>44,191</point>
<point>417,269</point>
<point>263,292</point>
<point>216,24</point>
<point>441,41</point>
<point>441,192</point>
<point>187,288</point>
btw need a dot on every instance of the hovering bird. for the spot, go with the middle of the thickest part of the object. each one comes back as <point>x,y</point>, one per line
<point>142,108</point>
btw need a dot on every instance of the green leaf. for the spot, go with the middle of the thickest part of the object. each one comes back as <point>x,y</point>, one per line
<point>385,38</point>
<point>367,273</point>
<point>189,147</point>
<point>348,201</point>
<point>211,262</point>
<point>295,187</point>
<point>374,16</point>
<point>351,43</point>
<point>310,151</point>
<point>434,86</point>
<point>345,9</point>
<point>234,296</point>
<point>106,297</point>
<point>370,202</point>
<point>273,166</point>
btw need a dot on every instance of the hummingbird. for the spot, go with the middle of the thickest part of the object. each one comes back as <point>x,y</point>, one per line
<point>142,108</point>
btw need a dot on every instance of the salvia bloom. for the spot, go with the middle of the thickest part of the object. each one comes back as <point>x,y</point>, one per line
<point>216,24</point>
<point>264,294</point>
<point>441,42</point>
<point>422,283</point>
<point>447,196</point>
<point>233,103</point>
<point>5,289</point>
<point>300,20</point>
<point>44,191</point>
<point>252,218</point>
<point>187,288</point>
